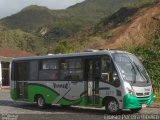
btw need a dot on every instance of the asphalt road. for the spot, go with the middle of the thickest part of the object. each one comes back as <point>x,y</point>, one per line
<point>11,110</point>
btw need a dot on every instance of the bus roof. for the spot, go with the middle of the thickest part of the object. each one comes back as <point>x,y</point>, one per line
<point>70,55</point>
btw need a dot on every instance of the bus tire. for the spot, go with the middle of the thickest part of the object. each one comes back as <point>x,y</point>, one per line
<point>135,110</point>
<point>112,106</point>
<point>40,102</point>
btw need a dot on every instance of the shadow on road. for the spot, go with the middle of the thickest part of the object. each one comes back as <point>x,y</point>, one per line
<point>33,107</point>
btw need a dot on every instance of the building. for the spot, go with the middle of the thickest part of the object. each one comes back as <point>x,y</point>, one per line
<point>6,56</point>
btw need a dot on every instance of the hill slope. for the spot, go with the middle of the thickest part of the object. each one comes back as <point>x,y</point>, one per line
<point>35,27</point>
<point>142,27</point>
<point>20,40</point>
<point>55,25</point>
<point>126,26</point>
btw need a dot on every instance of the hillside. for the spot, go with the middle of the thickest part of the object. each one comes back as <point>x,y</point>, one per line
<point>38,29</point>
<point>28,19</point>
<point>87,11</point>
<point>141,28</point>
<point>132,25</point>
<point>55,25</point>
<point>20,40</point>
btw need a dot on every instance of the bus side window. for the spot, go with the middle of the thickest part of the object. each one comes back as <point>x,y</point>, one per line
<point>109,72</point>
<point>63,70</point>
<point>21,71</point>
<point>115,77</point>
<point>71,69</point>
<point>34,70</point>
<point>63,66</point>
<point>49,70</point>
<point>106,69</point>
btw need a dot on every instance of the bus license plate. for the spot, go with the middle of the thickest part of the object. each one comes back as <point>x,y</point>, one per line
<point>144,105</point>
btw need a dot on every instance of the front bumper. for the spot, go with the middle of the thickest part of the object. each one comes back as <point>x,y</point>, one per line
<point>132,102</point>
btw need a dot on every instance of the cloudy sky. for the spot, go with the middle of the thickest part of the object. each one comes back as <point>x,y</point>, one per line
<point>9,7</point>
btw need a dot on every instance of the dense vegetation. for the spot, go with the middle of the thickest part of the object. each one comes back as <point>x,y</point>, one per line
<point>24,30</point>
<point>60,24</point>
<point>88,12</point>
<point>21,40</point>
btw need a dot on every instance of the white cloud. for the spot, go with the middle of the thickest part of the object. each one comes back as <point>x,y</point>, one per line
<point>9,7</point>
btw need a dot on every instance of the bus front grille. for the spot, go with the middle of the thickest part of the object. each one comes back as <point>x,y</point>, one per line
<point>142,94</point>
<point>139,94</point>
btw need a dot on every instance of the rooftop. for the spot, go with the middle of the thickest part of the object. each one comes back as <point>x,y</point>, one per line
<point>13,53</point>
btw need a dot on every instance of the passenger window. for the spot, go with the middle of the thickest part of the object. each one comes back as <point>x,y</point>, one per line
<point>21,71</point>
<point>50,65</point>
<point>49,70</point>
<point>34,65</point>
<point>71,69</point>
<point>64,66</point>
<point>109,72</point>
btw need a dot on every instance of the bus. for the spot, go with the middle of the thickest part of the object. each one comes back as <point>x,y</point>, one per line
<point>113,79</point>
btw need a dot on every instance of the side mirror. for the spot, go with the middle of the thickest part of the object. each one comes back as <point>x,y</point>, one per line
<point>115,76</point>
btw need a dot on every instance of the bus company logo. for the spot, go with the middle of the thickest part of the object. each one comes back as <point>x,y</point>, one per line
<point>65,86</point>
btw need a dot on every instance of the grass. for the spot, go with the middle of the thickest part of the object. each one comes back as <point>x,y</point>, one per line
<point>157,99</point>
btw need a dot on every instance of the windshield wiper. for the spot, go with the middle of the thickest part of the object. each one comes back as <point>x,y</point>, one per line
<point>140,71</point>
<point>133,68</point>
<point>134,72</point>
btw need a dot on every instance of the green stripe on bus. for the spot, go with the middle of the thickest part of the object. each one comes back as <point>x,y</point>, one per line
<point>13,94</point>
<point>80,101</point>
<point>38,89</point>
<point>50,95</point>
<point>44,87</point>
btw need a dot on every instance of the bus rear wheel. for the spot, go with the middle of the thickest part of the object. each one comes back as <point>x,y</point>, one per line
<point>40,102</point>
<point>112,107</point>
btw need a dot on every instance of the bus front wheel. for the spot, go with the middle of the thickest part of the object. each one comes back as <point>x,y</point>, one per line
<point>112,106</point>
<point>40,101</point>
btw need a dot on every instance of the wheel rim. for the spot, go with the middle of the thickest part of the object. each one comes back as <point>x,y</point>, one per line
<point>40,101</point>
<point>113,106</point>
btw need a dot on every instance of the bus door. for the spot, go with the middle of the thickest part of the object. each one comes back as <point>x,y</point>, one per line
<point>21,90</point>
<point>92,71</point>
<point>21,77</point>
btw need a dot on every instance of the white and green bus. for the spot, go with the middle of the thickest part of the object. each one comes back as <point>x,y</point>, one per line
<point>110,78</point>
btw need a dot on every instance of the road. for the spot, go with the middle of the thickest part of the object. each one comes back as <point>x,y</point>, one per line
<point>11,110</point>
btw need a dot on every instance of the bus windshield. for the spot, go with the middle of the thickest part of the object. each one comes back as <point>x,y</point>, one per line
<point>130,67</point>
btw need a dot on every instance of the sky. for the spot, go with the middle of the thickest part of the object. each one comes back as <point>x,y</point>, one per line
<point>9,7</point>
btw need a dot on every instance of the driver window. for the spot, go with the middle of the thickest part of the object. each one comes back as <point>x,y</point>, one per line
<point>109,73</point>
